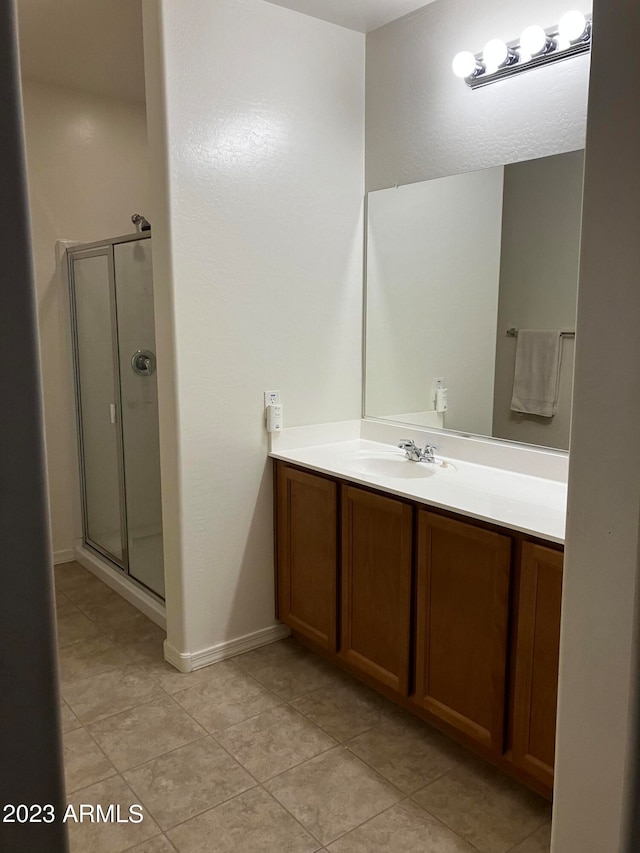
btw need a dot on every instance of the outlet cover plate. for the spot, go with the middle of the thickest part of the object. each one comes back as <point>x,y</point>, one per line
<point>271,398</point>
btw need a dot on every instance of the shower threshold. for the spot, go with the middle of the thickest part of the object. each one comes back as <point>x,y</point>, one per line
<point>126,586</point>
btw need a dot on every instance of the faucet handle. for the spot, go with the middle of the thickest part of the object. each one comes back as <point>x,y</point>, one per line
<point>428,454</point>
<point>406,444</point>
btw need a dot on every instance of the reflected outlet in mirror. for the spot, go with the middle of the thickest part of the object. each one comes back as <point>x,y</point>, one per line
<point>454,263</point>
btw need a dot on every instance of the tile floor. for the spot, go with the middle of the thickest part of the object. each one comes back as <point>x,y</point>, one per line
<point>274,751</point>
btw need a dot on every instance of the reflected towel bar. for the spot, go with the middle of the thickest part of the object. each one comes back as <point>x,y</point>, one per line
<point>513,333</point>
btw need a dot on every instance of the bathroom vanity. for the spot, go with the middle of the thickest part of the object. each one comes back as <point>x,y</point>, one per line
<point>438,586</point>
<point>441,585</point>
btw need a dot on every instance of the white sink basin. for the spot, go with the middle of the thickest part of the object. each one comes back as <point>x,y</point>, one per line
<point>396,466</point>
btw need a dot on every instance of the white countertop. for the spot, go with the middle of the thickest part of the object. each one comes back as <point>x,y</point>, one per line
<point>522,502</point>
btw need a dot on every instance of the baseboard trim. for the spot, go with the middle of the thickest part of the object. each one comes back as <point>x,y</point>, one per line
<point>118,582</point>
<point>65,556</point>
<point>188,662</point>
<point>182,662</point>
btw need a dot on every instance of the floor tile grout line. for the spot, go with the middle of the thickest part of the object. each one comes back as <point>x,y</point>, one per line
<point>121,710</point>
<point>409,799</point>
<point>67,606</point>
<point>258,784</point>
<point>455,831</point>
<point>74,791</point>
<point>293,766</point>
<point>139,802</point>
<point>406,794</point>
<point>299,822</point>
<point>161,754</point>
<point>364,822</point>
<point>337,746</point>
<point>261,784</point>
<point>110,669</point>
<point>214,734</point>
<point>257,714</point>
<point>83,724</point>
<point>376,816</point>
<point>116,771</point>
<point>255,787</point>
<point>284,698</point>
<point>148,841</point>
<point>119,599</point>
<point>104,594</point>
<point>222,746</point>
<point>203,811</point>
<point>308,655</point>
<point>343,742</point>
<point>66,645</point>
<point>313,722</point>
<point>207,735</point>
<point>527,837</point>
<point>204,735</point>
<point>440,819</point>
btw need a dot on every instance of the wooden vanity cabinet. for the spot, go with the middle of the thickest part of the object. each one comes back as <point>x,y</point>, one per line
<point>457,621</point>
<point>536,661</point>
<point>463,584</point>
<point>307,554</point>
<point>375,632</point>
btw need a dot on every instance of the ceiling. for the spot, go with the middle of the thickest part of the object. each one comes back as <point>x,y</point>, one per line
<point>96,45</point>
<point>362,15</point>
<point>93,45</point>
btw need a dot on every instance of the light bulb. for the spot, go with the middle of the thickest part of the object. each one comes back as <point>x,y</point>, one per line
<point>464,64</point>
<point>495,54</point>
<point>533,41</point>
<point>572,26</point>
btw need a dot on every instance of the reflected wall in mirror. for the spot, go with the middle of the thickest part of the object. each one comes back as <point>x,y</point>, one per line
<point>452,265</point>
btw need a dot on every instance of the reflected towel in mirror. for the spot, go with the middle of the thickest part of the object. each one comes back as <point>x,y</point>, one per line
<point>537,372</point>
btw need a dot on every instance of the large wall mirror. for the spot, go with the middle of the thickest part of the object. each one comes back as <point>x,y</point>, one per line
<point>456,266</point>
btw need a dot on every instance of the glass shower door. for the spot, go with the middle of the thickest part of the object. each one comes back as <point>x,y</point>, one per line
<point>141,445</point>
<point>96,361</point>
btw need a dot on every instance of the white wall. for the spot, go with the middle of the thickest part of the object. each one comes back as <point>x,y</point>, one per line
<point>538,283</point>
<point>87,170</point>
<point>432,297</point>
<point>423,122</point>
<point>260,286</point>
<point>599,643</point>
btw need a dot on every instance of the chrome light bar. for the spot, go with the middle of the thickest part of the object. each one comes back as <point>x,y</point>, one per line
<point>535,48</point>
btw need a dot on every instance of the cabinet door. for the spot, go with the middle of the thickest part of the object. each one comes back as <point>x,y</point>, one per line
<point>376,586</point>
<point>462,624</point>
<point>307,554</point>
<point>537,651</point>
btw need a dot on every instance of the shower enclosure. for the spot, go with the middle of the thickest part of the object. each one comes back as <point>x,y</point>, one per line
<point>111,291</point>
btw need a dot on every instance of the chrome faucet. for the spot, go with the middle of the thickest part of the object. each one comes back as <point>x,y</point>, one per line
<point>413,452</point>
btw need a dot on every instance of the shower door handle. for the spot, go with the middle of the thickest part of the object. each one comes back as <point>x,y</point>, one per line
<point>143,362</point>
<point>113,412</point>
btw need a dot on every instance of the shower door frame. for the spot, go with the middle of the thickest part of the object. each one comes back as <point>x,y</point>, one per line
<point>103,248</point>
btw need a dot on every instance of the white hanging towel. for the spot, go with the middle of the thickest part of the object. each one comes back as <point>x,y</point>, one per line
<point>537,372</point>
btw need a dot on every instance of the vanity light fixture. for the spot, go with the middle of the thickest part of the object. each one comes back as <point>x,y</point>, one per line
<point>536,47</point>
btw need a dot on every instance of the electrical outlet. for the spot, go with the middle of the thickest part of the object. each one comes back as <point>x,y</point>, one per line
<point>271,398</point>
<point>437,385</point>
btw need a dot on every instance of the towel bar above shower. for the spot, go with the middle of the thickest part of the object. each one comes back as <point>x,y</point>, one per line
<point>513,333</point>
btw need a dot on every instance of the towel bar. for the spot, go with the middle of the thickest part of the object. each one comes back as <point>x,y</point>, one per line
<point>513,333</point>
